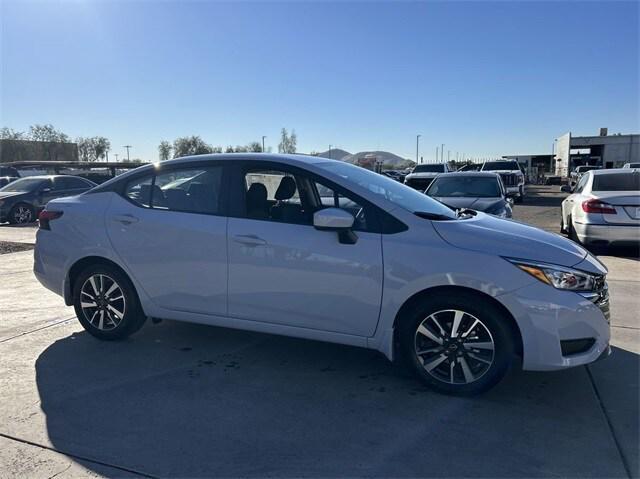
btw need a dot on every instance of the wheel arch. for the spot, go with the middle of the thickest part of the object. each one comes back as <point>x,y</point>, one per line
<point>414,300</point>
<point>80,265</point>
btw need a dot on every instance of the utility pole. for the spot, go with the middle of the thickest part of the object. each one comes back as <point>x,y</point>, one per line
<point>263,137</point>
<point>116,157</point>
<point>448,155</point>
<point>127,147</point>
<point>417,147</point>
<point>442,153</point>
<point>436,154</point>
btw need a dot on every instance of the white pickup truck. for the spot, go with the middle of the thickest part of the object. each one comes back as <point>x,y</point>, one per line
<point>423,174</point>
<point>511,174</point>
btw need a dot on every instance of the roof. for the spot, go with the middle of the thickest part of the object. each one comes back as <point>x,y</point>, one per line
<point>614,171</point>
<point>488,174</point>
<point>291,159</point>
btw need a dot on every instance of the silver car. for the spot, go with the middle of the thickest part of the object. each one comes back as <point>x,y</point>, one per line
<point>320,249</point>
<point>604,208</point>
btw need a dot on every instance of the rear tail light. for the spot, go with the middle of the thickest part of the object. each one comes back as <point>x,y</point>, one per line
<point>597,206</point>
<point>46,216</point>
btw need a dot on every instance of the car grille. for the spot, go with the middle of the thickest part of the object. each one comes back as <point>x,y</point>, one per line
<point>419,183</point>
<point>509,179</point>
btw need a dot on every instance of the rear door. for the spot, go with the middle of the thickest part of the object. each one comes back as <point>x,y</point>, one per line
<point>284,271</point>
<point>169,227</point>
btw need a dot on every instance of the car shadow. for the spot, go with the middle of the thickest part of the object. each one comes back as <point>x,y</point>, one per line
<point>180,399</point>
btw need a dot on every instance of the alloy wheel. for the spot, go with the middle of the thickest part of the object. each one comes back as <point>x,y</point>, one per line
<point>102,301</point>
<point>22,214</point>
<point>454,347</point>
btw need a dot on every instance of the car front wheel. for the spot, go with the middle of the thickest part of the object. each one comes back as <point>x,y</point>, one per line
<point>22,214</point>
<point>106,303</point>
<point>458,344</point>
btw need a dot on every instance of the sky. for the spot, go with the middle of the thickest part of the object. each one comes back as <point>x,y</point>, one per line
<point>485,78</point>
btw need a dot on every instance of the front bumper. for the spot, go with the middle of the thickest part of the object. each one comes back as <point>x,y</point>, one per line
<point>609,234</point>
<point>549,318</point>
<point>514,190</point>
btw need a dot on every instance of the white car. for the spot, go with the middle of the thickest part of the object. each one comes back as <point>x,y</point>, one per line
<point>423,174</point>
<point>603,208</point>
<point>320,249</point>
<point>631,165</point>
<point>511,174</point>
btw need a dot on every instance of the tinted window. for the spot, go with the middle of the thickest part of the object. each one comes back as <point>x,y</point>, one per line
<point>70,183</point>
<point>26,184</point>
<point>436,168</point>
<point>391,190</point>
<point>139,191</point>
<point>500,165</point>
<point>275,196</point>
<point>581,184</point>
<point>189,190</point>
<point>616,182</point>
<point>464,186</point>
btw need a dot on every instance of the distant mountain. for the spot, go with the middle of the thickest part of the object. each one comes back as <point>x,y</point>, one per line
<point>334,154</point>
<point>385,157</point>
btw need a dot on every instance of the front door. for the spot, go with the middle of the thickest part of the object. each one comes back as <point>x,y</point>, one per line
<point>170,231</point>
<point>282,270</point>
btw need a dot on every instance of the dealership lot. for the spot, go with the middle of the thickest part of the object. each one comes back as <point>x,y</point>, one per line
<point>190,400</point>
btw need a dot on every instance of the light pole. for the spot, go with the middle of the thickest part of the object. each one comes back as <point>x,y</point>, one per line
<point>417,147</point>
<point>442,153</point>
<point>436,154</point>
<point>116,157</point>
<point>263,137</point>
<point>127,147</point>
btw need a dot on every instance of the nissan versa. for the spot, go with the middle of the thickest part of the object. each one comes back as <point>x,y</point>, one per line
<point>320,249</point>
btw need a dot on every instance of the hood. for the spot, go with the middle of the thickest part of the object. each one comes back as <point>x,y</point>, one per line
<point>9,194</point>
<point>474,203</point>
<point>501,237</point>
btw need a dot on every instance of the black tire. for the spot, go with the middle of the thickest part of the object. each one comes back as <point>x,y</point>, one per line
<point>22,214</point>
<point>495,328</point>
<point>520,198</point>
<point>102,321</point>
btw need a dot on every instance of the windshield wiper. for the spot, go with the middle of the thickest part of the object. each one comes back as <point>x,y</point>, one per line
<point>432,216</point>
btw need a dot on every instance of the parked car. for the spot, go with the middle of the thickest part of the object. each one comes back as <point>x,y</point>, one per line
<point>631,165</point>
<point>603,208</point>
<point>474,190</point>
<point>293,245</point>
<point>576,174</point>
<point>423,174</point>
<point>21,200</point>
<point>511,174</point>
<point>7,175</point>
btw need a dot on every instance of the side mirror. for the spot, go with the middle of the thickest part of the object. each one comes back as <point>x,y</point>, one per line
<point>335,219</point>
<point>510,200</point>
<point>566,189</point>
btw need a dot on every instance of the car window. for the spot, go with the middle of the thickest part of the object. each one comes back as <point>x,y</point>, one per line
<point>429,168</point>
<point>617,182</point>
<point>500,165</point>
<point>139,191</point>
<point>275,196</point>
<point>581,184</point>
<point>27,184</point>
<point>192,190</point>
<point>69,183</point>
<point>464,186</point>
<point>329,198</point>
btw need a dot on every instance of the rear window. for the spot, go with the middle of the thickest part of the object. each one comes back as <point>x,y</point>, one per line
<point>429,168</point>
<point>616,182</point>
<point>500,165</point>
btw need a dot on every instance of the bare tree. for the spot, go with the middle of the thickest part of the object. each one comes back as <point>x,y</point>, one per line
<point>164,150</point>
<point>288,143</point>
<point>46,133</point>
<point>11,134</point>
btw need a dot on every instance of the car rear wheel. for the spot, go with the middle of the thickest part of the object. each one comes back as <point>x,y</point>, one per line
<point>22,213</point>
<point>458,343</point>
<point>572,232</point>
<point>106,303</point>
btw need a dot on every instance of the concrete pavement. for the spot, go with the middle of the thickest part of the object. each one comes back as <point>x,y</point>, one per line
<point>179,399</point>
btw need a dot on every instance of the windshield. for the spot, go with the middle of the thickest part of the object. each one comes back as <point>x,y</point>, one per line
<point>403,196</point>
<point>500,165</point>
<point>464,186</point>
<point>24,184</point>
<point>435,168</point>
<point>617,182</point>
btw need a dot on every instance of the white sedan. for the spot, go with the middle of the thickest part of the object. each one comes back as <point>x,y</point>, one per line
<point>604,208</point>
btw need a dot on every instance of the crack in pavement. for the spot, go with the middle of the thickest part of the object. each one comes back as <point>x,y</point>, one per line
<point>76,456</point>
<point>36,330</point>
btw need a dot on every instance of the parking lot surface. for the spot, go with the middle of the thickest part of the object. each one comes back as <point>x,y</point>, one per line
<point>180,399</point>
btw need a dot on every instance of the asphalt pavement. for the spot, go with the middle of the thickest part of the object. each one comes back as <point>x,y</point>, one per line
<point>180,399</point>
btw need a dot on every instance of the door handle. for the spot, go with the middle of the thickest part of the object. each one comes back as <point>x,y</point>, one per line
<point>125,219</point>
<point>249,240</point>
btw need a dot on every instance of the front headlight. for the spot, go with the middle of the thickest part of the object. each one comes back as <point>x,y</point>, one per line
<point>558,276</point>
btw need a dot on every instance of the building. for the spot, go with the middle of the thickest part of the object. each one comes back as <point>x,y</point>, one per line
<point>607,151</point>
<point>25,150</point>
<point>534,165</point>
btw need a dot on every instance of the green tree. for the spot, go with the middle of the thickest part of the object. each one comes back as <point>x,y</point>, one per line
<point>255,147</point>
<point>164,150</point>
<point>93,148</point>
<point>11,134</point>
<point>288,143</point>
<point>190,145</point>
<point>46,133</point>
